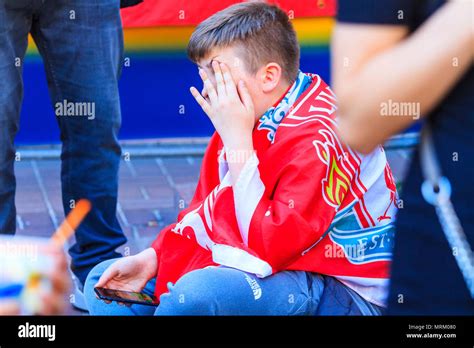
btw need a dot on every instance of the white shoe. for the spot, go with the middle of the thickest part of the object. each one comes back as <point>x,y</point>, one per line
<point>78,299</point>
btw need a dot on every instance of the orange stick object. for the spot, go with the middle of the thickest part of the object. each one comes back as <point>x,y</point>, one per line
<point>70,224</point>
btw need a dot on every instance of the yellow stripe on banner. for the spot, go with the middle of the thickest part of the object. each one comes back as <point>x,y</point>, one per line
<point>157,38</point>
<point>314,31</point>
<point>310,31</point>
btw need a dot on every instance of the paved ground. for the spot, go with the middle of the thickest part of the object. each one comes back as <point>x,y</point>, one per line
<point>152,190</point>
<point>150,194</point>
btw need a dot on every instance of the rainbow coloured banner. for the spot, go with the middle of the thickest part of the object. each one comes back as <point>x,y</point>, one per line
<point>185,12</point>
<point>154,26</point>
<point>312,32</point>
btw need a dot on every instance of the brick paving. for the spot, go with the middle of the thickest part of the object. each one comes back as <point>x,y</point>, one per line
<point>151,192</point>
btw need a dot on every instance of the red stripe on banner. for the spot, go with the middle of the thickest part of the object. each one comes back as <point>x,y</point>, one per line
<point>185,12</point>
<point>360,215</point>
<point>366,211</point>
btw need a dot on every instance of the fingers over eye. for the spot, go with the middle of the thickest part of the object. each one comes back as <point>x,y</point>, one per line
<point>201,101</point>
<point>208,87</point>
<point>228,80</point>
<point>219,78</point>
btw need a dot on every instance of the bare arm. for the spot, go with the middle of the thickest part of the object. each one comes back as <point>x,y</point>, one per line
<point>375,63</point>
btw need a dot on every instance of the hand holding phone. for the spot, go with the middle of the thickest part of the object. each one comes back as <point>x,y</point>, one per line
<point>130,273</point>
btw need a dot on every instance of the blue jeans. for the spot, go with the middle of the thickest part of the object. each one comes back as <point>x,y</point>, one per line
<point>227,291</point>
<point>81,43</point>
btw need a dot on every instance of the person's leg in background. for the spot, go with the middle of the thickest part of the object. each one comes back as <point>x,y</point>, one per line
<point>417,271</point>
<point>99,307</point>
<point>15,22</point>
<point>81,42</point>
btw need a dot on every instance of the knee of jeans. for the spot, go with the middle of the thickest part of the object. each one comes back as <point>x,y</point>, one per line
<point>100,131</point>
<point>10,101</point>
<point>94,276</point>
<point>196,293</point>
<point>8,131</point>
<point>7,158</point>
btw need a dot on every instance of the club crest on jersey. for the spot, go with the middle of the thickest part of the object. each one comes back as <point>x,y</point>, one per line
<point>364,245</point>
<point>337,181</point>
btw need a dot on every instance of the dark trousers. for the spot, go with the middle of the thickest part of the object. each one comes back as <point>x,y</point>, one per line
<point>425,278</point>
<point>81,43</point>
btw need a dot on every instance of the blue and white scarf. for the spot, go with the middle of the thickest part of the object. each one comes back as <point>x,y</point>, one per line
<point>274,115</point>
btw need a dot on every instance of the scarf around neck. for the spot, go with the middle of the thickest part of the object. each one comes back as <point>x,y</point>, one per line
<point>275,114</point>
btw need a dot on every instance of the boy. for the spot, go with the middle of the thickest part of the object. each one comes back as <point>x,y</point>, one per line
<point>285,220</point>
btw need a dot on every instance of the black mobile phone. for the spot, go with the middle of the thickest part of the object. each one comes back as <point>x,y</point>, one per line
<point>126,296</point>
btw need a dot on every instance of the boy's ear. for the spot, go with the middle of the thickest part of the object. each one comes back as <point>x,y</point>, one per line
<point>271,75</point>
